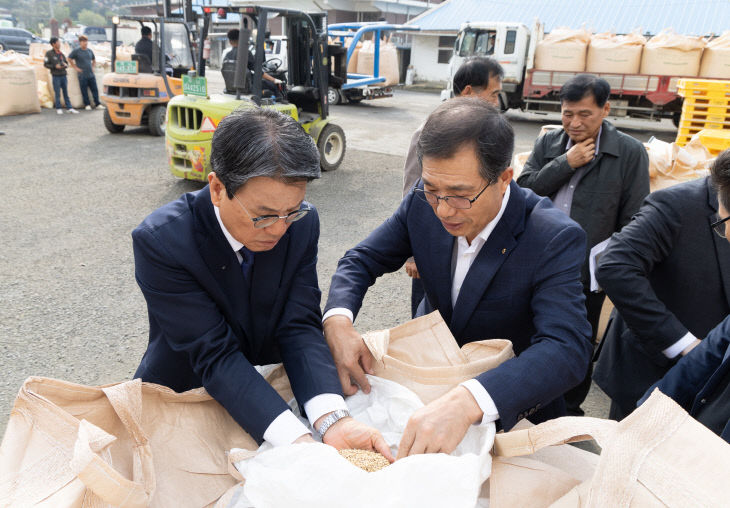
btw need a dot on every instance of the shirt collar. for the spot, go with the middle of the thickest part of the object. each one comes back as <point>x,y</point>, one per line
<point>483,235</point>
<point>235,244</point>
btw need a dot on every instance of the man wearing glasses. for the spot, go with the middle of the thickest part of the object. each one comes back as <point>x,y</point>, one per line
<point>229,276</point>
<point>496,261</point>
<point>669,277</point>
<point>700,381</point>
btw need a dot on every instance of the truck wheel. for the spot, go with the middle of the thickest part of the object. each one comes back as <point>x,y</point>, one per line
<point>331,147</point>
<point>111,126</point>
<point>333,96</point>
<point>157,120</point>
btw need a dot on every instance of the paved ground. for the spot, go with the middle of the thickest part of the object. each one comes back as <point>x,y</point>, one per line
<point>72,193</point>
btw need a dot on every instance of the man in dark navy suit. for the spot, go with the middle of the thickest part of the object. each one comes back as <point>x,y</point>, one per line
<point>700,381</point>
<point>496,260</point>
<point>229,275</point>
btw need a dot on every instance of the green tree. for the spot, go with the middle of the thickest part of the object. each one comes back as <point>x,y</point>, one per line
<point>90,18</point>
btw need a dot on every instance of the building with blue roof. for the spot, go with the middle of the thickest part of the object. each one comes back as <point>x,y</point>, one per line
<point>432,46</point>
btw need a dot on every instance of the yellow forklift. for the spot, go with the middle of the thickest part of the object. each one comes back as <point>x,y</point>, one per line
<point>136,93</point>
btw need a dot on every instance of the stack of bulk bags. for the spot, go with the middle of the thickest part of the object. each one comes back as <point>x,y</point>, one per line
<point>620,54</point>
<point>563,49</point>
<point>388,61</point>
<point>671,54</point>
<point>716,58</point>
<point>18,89</point>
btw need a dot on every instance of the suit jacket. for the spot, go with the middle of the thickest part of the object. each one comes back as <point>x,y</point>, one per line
<point>697,377</point>
<point>612,189</point>
<point>523,286</point>
<point>204,328</point>
<point>667,273</point>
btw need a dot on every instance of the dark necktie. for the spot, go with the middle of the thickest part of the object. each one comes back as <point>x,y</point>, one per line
<point>246,264</point>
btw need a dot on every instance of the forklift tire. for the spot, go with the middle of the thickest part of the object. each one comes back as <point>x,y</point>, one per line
<point>331,146</point>
<point>111,126</point>
<point>157,119</point>
<point>333,96</point>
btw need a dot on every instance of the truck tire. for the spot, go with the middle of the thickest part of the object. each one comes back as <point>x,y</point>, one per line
<point>333,96</point>
<point>157,120</point>
<point>331,146</point>
<point>111,126</point>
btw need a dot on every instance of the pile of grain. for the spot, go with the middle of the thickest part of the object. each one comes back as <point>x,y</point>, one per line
<point>367,460</point>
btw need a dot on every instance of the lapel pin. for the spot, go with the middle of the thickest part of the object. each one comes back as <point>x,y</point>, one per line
<point>504,250</point>
<point>223,267</point>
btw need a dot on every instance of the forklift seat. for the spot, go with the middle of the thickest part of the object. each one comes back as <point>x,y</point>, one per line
<point>305,97</point>
<point>143,63</point>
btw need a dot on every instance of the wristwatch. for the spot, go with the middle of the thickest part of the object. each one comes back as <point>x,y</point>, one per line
<point>333,418</point>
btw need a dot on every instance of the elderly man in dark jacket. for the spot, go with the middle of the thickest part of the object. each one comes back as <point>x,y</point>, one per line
<point>594,173</point>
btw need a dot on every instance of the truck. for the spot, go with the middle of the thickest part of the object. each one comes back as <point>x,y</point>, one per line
<point>348,87</point>
<point>529,89</point>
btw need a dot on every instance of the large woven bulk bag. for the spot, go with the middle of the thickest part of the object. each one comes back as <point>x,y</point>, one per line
<point>563,49</point>
<point>388,61</point>
<point>671,54</point>
<point>18,88</point>
<point>352,64</point>
<point>74,89</point>
<point>716,58</point>
<point>615,53</point>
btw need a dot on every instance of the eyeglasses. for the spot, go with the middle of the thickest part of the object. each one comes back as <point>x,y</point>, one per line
<point>269,220</point>
<point>719,226</point>
<point>459,202</point>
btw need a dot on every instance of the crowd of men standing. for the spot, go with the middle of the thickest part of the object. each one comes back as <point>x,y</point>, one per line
<point>229,273</point>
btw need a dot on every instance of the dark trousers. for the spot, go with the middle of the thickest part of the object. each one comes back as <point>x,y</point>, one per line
<point>417,294</point>
<point>575,396</point>
<point>89,82</point>
<point>61,83</point>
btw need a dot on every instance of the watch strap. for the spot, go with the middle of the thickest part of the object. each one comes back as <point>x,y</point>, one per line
<point>333,418</point>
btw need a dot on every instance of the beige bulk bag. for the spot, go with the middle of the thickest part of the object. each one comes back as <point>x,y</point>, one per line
<point>563,49</point>
<point>423,356</point>
<point>74,90</point>
<point>365,57</point>
<point>671,54</point>
<point>388,61</point>
<point>37,50</point>
<point>352,64</point>
<point>18,89</point>
<point>45,97</point>
<point>128,444</point>
<point>716,58</point>
<point>615,53</point>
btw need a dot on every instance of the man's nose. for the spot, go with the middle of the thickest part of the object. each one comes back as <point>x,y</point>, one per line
<point>443,209</point>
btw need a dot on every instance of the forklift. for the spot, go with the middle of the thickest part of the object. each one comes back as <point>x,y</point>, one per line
<point>137,91</point>
<point>193,117</point>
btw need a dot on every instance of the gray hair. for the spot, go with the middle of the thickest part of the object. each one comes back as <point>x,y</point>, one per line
<point>720,173</point>
<point>253,142</point>
<point>469,121</point>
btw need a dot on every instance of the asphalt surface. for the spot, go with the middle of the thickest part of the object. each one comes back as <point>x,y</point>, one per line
<point>72,194</point>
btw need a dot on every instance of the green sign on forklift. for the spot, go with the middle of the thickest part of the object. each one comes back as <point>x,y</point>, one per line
<point>195,85</point>
<point>126,67</point>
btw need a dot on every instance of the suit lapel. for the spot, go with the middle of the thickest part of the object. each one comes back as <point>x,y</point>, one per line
<point>265,283</point>
<point>442,248</point>
<point>221,261</point>
<point>493,254</point>
<point>721,244</point>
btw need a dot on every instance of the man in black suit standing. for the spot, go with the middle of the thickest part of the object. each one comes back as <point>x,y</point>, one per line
<point>668,275</point>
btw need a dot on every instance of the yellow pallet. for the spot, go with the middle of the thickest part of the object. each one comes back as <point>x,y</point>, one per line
<point>715,140</point>
<point>706,110</point>
<point>698,124</point>
<point>708,94</point>
<point>713,102</point>
<point>709,85</point>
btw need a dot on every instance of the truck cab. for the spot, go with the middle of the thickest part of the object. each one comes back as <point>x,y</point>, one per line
<point>508,43</point>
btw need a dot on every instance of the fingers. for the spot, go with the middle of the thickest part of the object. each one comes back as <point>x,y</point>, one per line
<point>359,376</point>
<point>382,447</point>
<point>366,360</point>
<point>404,447</point>
<point>347,386</point>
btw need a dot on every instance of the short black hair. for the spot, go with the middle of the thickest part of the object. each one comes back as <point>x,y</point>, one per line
<point>720,173</point>
<point>53,40</point>
<point>146,31</point>
<point>584,85</point>
<point>252,142</point>
<point>476,71</point>
<point>469,121</point>
<point>233,34</point>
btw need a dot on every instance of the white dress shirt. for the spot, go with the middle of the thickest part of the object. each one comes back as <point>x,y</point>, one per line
<point>286,427</point>
<point>462,258</point>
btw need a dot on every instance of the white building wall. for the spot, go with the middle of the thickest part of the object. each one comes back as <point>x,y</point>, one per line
<point>424,58</point>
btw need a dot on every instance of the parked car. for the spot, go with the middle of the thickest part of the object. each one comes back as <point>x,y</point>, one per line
<point>94,33</point>
<point>17,39</point>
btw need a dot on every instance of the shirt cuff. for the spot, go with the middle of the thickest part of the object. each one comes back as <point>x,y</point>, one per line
<point>320,405</point>
<point>338,311</point>
<point>679,346</point>
<point>485,402</point>
<point>285,429</point>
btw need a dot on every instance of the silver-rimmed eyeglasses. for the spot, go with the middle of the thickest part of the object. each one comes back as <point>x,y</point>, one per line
<point>265,221</point>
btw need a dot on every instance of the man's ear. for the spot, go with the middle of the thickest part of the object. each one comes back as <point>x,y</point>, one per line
<point>505,178</point>
<point>606,109</point>
<point>217,189</point>
<point>467,91</point>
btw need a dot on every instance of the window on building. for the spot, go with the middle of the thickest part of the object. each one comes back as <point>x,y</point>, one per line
<point>446,48</point>
<point>509,44</point>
